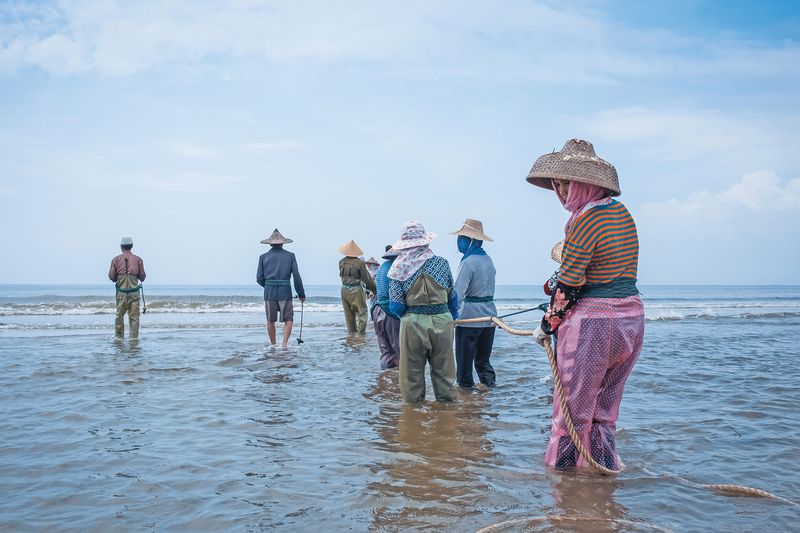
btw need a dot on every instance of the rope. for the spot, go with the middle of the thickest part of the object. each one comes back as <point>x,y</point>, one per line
<point>562,402</point>
<point>561,518</point>
<point>721,488</point>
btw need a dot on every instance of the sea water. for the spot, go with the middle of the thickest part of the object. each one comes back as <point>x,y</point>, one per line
<point>201,426</point>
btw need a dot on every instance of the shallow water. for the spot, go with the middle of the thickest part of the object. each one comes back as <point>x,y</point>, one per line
<point>199,427</point>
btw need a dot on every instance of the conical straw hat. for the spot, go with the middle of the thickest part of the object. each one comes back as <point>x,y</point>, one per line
<point>555,253</point>
<point>351,249</point>
<point>371,261</point>
<point>473,229</point>
<point>276,238</point>
<point>575,162</point>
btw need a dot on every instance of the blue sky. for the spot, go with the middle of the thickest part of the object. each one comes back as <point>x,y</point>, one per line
<point>197,127</point>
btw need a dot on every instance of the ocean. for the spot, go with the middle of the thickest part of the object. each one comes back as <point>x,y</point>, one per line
<point>201,426</point>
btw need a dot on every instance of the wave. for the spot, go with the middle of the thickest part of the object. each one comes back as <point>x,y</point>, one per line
<point>202,305</point>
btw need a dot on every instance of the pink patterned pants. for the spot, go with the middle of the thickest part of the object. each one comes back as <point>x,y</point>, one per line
<point>598,343</point>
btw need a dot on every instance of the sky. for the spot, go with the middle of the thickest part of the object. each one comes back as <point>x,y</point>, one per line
<point>197,127</point>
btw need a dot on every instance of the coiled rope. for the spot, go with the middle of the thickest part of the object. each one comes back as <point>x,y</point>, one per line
<point>721,488</point>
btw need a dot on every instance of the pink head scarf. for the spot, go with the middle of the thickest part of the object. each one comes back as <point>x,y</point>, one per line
<point>580,195</point>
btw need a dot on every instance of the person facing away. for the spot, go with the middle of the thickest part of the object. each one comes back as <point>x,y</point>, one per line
<point>387,325</point>
<point>127,270</point>
<point>372,267</point>
<point>595,309</point>
<point>275,268</point>
<point>475,289</point>
<point>355,277</point>
<point>421,293</point>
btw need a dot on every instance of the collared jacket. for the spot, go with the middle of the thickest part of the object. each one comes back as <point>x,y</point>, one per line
<point>279,266</point>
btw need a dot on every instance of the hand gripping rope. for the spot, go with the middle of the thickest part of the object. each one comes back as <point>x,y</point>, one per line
<point>724,488</point>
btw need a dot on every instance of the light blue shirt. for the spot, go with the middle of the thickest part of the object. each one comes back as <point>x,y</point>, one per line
<point>475,277</point>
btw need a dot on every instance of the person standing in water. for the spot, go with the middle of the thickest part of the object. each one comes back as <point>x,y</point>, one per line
<point>595,310</point>
<point>475,289</point>
<point>355,277</point>
<point>127,271</point>
<point>421,293</point>
<point>275,270</point>
<point>387,325</point>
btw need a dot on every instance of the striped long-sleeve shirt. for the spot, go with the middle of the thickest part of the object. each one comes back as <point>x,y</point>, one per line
<point>601,246</point>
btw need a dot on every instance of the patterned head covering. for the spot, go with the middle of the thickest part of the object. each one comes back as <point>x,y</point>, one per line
<point>413,234</point>
<point>413,250</point>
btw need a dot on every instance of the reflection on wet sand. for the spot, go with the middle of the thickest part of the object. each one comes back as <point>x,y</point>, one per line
<point>430,479</point>
<point>583,495</point>
<point>126,346</point>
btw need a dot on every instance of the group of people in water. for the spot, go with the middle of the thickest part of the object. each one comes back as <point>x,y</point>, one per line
<point>595,312</point>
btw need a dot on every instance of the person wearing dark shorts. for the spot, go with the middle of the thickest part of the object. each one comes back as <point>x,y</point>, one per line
<point>284,308</point>
<point>276,269</point>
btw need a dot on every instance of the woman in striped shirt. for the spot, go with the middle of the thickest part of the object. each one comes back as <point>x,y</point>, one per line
<point>595,311</point>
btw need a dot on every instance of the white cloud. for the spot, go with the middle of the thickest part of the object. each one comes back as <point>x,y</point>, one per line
<point>194,151</point>
<point>511,39</point>
<point>57,53</point>
<point>754,192</point>
<point>681,134</point>
<point>194,182</point>
<point>273,146</point>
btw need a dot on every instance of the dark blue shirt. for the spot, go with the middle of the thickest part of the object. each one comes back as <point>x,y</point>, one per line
<point>278,264</point>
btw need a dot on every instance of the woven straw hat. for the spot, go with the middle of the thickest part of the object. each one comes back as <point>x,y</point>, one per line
<point>576,162</point>
<point>413,234</point>
<point>276,238</point>
<point>126,241</point>
<point>351,249</point>
<point>371,261</point>
<point>555,253</point>
<point>473,229</point>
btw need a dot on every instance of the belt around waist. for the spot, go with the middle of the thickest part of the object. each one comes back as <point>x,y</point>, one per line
<point>277,282</point>
<point>433,309</point>
<point>128,291</point>
<point>619,288</point>
<point>478,299</point>
<point>351,285</point>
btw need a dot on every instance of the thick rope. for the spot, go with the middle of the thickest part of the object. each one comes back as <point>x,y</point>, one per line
<point>722,488</point>
<point>562,402</point>
<point>562,518</point>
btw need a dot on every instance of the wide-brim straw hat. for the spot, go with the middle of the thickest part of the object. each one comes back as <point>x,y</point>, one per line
<point>473,229</point>
<point>351,249</point>
<point>557,251</point>
<point>577,161</point>
<point>276,238</point>
<point>371,261</point>
<point>413,234</point>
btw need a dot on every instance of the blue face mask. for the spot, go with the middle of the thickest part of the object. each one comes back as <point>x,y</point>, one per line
<point>468,246</point>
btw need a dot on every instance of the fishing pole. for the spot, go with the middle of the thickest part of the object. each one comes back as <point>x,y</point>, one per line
<point>540,307</point>
<point>300,338</point>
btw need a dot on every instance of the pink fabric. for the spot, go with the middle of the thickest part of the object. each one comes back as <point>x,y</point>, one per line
<point>135,266</point>
<point>409,261</point>
<point>579,195</point>
<point>373,269</point>
<point>598,343</point>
